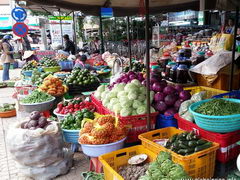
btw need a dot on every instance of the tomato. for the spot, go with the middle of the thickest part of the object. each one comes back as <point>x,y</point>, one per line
<point>71,110</point>
<point>76,106</point>
<point>76,109</point>
<point>62,111</point>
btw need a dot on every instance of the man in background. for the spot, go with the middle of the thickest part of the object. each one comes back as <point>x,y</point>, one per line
<point>69,45</point>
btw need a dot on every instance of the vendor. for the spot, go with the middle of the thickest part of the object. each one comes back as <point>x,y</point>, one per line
<point>29,56</point>
<point>81,63</point>
<point>229,29</point>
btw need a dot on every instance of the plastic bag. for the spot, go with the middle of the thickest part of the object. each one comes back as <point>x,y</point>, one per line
<point>199,96</point>
<point>184,107</point>
<point>59,167</point>
<point>38,148</point>
<point>188,116</point>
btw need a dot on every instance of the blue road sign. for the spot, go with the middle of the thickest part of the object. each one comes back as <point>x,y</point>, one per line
<point>20,29</point>
<point>19,14</point>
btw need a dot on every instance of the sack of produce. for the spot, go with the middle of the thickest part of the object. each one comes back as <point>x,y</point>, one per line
<point>36,143</point>
<point>59,167</point>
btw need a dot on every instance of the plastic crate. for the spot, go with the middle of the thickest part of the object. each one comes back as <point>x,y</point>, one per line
<point>136,124</point>
<point>229,149</point>
<point>209,91</point>
<point>66,65</point>
<point>113,161</point>
<point>232,94</point>
<point>198,165</point>
<point>98,104</point>
<point>165,121</point>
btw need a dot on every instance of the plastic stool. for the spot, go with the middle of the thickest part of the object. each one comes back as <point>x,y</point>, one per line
<point>95,165</point>
<point>47,113</point>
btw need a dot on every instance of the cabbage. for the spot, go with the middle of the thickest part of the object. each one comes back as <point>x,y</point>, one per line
<point>113,101</point>
<point>125,112</point>
<point>136,104</point>
<point>122,94</point>
<point>151,96</point>
<point>103,95</point>
<point>142,109</point>
<point>97,94</point>
<point>125,103</point>
<point>117,108</point>
<point>141,97</point>
<point>130,86</point>
<point>143,89</point>
<point>152,110</point>
<point>109,106</point>
<point>132,95</point>
<point>105,102</point>
<point>119,87</point>
<point>134,112</point>
<point>101,88</point>
<point>111,95</point>
<point>136,82</point>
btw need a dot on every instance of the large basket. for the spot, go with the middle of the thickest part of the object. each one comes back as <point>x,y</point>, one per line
<point>209,91</point>
<point>43,106</point>
<point>70,136</point>
<point>52,69</point>
<point>113,161</point>
<point>98,150</point>
<point>229,149</point>
<point>219,124</point>
<point>198,165</point>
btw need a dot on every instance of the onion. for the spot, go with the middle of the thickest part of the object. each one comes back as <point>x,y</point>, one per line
<point>178,104</point>
<point>157,87</point>
<point>170,112</point>
<point>160,106</point>
<point>169,90</point>
<point>170,99</point>
<point>184,95</point>
<point>159,96</point>
<point>179,88</point>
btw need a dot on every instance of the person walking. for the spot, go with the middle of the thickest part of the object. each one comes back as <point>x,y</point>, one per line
<point>7,56</point>
<point>69,45</point>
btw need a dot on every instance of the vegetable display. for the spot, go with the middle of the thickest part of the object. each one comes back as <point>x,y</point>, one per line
<point>36,120</point>
<point>125,99</point>
<point>48,62</point>
<point>218,107</point>
<point>187,143</point>
<point>29,66</point>
<point>7,107</point>
<point>37,97</point>
<point>165,169</point>
<point>74,121</point>
<point>89,175</point>
<point>38,77</point>
<point>168,99</point>
<point>73,106</point>
<point>130,172</point>
<point>136,67</point>
<point>102,130</point>
<point>53,86</point>
<point>81,78</point>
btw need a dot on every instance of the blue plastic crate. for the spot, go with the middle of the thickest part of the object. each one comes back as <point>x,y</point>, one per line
<point>66,65</point>
<point>165,121</point>
<point>232,94</point>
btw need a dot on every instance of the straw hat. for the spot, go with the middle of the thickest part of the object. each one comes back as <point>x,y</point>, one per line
<point>27,54</point>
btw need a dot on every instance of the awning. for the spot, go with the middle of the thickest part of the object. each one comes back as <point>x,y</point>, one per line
<point>131,7</point>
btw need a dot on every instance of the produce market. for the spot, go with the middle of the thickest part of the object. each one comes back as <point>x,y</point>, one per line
<point>151,93</point>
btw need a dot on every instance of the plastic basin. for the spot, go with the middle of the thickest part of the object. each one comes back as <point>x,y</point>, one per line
<point>98,150</point>
<point>43,106</point>
<point>59,116</point>
<point>27,73</point>
<point>52,69</point>
<point>70,136</point>
<point>7,114</point>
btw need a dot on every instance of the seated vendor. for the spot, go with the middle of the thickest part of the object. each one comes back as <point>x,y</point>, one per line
<point>81,63</point>
<point>29,56</point>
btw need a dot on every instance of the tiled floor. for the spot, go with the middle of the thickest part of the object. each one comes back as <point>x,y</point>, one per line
<point>8,170</point>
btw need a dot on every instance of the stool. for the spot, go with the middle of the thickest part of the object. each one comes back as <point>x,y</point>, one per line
<point>95,165</point>
<point>47,113</point>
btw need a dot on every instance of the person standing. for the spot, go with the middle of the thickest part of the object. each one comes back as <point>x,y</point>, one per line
<point>7,56</point>
<point>229,29</point>
<point>69,45</point>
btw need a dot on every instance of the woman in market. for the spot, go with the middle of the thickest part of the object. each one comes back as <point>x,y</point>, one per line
<point>229,29</point>
<point>7,56</point>
<point>81,63</point>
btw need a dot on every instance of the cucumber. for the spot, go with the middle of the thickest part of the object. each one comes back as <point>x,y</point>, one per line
<point>192,143</point>
<point>182,151</point>
<point>183,146</point>
<point>201,141</point>
<point>173,138</point>
<point>202,147</point>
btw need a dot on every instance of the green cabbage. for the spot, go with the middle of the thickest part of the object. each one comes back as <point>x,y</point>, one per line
<point>130,86</point>
<point>97,94</point>
<point>132,95</point>
<point>151,96</point>
<point>101,88</point>
<point>103,95</point>
<point>105,102</point>
<point>125,112</point>
<point>166,166</point>
<point>136,82</point>
<point>119,87</point>
<point>111,95</point>
<point>136,104</point>
<point>141,97</point>
<point>163,156</point>
<point>177,172</point>
<point>113,101</point>
<point>152,110</point>
<point>143,89</point>
<point>134,112</point>
<point>117,108</point>
<point>122,94</point>
<point>142,109</point>
<point>125,102</point>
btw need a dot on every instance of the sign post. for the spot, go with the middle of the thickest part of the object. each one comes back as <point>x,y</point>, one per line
<point>19,28</point>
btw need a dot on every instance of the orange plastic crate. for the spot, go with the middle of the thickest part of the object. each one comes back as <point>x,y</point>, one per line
<point>114,160</point>
<point>198,165</point>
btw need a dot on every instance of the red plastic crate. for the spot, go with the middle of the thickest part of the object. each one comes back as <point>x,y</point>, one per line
<point>229,149</point>
<point>98,105</point>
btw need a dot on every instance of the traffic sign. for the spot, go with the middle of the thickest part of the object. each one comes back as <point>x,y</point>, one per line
<point>20,29</point>
<point>19,14</point>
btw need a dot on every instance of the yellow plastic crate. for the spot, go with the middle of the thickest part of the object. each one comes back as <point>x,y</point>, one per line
<point>198,165</point>
<point>113,161</point>
<point>209,91</point>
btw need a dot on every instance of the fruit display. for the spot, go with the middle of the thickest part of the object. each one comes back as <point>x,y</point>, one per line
<point>187,143</point>
<point>36,120</point>
<point>81,78</point>
<point>128,77</point>
<point>102,130</point>
<point>61,57</point>
<point>125,99</point>
<point>53,86</point>
<point>37,97</point>
<point>7,107</point>
<point>29,66</point>
<point>74,105</point>
<point>50,63</point>
<point>136,67</point>
<point>38,77</point>
<point>43,59</point>
<point>76,121</point>
<point>164,168</point>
